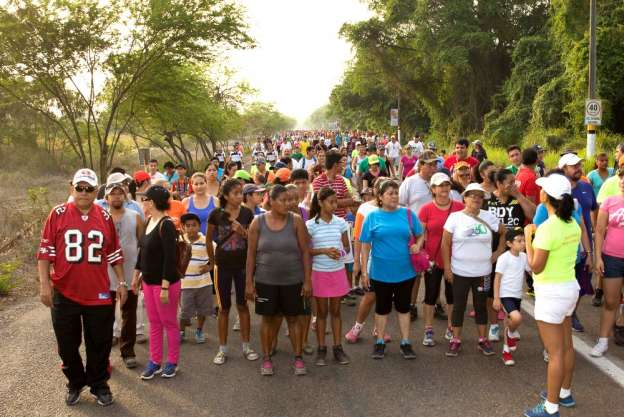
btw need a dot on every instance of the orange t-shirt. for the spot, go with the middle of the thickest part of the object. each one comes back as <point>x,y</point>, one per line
<point>176,210</point>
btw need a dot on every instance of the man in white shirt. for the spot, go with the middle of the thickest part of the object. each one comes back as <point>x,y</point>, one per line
<point>152,169</point>
<point>393,152</point>
<point>414,191</point>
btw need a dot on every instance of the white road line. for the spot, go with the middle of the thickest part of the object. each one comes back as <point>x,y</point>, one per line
<point>603,364</point>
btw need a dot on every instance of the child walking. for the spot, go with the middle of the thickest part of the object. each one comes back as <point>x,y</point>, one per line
<point>329,279</point>
<point>508,281</point>
<point>196,299</point>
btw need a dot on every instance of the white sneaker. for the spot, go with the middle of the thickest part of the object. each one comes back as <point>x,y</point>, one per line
<point>494,333</point>
<point>220,358</point>
<point>599,350</point>
<point>448,335</point>
<point>250,354</point>
<point>236,326</point>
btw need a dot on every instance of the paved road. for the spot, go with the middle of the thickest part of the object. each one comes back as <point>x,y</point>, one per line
<point>31,383</point>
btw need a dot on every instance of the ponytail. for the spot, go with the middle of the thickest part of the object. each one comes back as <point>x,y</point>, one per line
<point>564,207</point>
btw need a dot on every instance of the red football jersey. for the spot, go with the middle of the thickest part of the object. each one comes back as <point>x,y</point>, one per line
<point>81,246</point>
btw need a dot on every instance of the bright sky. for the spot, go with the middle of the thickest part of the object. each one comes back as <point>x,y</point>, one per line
<point>299,57</point>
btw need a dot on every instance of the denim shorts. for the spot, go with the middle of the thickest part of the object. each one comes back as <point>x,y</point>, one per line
<point>613,266</point>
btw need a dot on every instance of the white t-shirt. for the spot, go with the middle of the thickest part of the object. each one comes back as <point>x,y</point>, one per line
<point>305,163</point>
<point>512,270</point>
<point>414,192</point>
<point>157,176</point>
<point>327,235</point>
<point>236,156</point>
<point>393,149</point>
<point>471,250</point>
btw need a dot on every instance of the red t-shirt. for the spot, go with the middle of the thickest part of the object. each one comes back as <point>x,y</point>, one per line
<point>338,185</point>
<point>434,219</point>
<point>452,160</point>
<point>81,246</point>
<point>527,177</point>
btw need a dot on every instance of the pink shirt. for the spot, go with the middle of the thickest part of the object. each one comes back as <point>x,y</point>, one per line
<point>614,240</point>
<point>408,163</point>
<point>434,219</point>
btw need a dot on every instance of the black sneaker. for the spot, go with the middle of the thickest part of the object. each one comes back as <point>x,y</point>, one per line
<point>73,396</point>
<point>597,300</point>
<point>618,335</point>
<point>439,313</point>
<point>407,351</point>
<point>321,354</point>
<point>379,350</point>
<point>340,356</point>
<point>103,395</point>
<point>413,312</point>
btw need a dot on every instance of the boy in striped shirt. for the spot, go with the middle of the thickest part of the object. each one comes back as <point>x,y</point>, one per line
<point>197,290</point>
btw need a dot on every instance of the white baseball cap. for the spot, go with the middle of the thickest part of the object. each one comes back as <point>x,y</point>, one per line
<point>473,186</point>
<point>439,178</point>
<point>115,180</point>
<point>569,159</point>
<point>555,185</point>
<point>85,175</point>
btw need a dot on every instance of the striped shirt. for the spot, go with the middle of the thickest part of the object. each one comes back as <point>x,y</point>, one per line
<point>339,185</point>
<point>199,257</point>
<point>327,235</point>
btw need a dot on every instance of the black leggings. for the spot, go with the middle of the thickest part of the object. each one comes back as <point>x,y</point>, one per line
<point>461,286</point>
<point>387,292</point>
<point>433,279</point>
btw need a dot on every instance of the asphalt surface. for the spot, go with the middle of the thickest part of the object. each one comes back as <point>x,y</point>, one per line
<point>32,384</point>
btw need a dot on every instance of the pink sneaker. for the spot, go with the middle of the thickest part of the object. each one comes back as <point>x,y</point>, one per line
<point>267,367</point>
<point>386,337</point>
<point>299,367</point>
<point>353,334</point>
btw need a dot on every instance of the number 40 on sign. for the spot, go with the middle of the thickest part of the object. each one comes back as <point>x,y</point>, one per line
<point>593,112</point>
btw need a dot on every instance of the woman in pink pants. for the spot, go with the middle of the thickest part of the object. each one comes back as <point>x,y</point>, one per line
<point>156,268</point>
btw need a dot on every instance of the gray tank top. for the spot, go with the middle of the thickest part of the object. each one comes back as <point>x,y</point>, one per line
<point>126,231</point>
<point>278,258</point>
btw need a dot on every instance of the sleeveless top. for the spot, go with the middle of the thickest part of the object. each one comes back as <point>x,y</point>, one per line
<point>278,258</point>
<point>202,213</point>
<point>126,230</point>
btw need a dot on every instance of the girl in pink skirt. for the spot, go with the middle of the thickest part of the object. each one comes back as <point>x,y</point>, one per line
<point>329,278</point>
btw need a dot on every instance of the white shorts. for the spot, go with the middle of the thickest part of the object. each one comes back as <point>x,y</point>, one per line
<point>555,302</point>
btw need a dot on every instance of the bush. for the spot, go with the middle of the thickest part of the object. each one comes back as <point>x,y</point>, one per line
<point>6,276</point>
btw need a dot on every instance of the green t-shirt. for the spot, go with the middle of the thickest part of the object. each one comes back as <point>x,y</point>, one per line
<point>513,169</point>
<point>609,188</point>
<point>363,167</point>
<point>561,240</point>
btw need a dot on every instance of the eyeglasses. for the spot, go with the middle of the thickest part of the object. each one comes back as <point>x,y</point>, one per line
<point>84,188</point>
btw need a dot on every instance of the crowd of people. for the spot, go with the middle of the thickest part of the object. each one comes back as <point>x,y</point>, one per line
<point>305,223</point>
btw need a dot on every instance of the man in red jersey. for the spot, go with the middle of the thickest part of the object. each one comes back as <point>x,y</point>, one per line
<point>461,154</point>
<point>80,241</point>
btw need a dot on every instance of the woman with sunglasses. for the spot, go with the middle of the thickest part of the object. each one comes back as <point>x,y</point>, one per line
<point>468,258</point>
<point>385,238</point>
<point>460,179</point>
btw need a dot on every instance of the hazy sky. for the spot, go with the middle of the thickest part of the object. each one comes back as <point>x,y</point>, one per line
<point>299,57</point>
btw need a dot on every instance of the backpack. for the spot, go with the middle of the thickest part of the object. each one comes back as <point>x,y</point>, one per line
<point>183,250</point>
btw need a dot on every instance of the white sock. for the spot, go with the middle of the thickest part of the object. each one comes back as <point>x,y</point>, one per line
<point>223,348</point>
<point>565,393</point>
<point>506,348</point>
<point>603,341</point>
<point>550,407</point>
<point>358,325</point>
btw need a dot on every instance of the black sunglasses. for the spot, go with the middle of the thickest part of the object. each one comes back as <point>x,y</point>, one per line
<point>84,189</point>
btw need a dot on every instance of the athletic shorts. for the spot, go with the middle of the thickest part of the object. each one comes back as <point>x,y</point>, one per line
<point>196,301</point>
<point>555,302</point>
<point>511,304</point>
<point>387,293</point>
<point>224,277</point>
<point>349,266</point>
<point>273,300</point>
<point>613,266</point>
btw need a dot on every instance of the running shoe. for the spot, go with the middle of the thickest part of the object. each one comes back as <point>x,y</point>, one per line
<point>494,333</point>
<point>308,349</point>
<point>73,396</point>
<point>485,347</point>
<point>150,370</point>
<point>508,359</point>
<point>103,395</point>
<point>299,366</point>
<point>353,334</point>
<point>599,349</point>
<point>597,300</point>
<point>564,402</point>
<point>169,371</point>
<point>448,335</point>
<point>321,356</point>
<point>428,339</point>
<point>407,351</point>
<point>512,342</point>
<point>413,312</point>
<point>250,354</point>
<point>454,347</point>
<point>130,362</point>
<point>267,367</point>
<point>576,324</point>
<point>219,358</point>
<point>236,326</point>
<point>386,337</point>
<point>439,313</point>
<point>199,336</point>
<point>340,356</point>
<point>540,411</point>
<point>379,351</point>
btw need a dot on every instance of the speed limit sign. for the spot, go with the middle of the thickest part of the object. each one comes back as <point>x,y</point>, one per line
<point>593,112</point>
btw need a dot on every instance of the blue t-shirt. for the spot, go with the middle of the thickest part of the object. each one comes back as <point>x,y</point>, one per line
<point>596,180</point>
<point>388,234</point>
<point>584,194</point>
